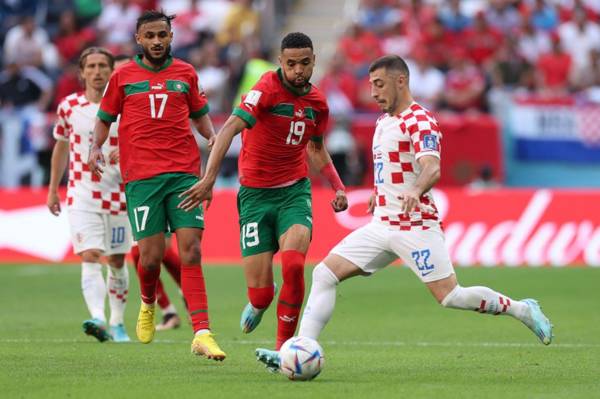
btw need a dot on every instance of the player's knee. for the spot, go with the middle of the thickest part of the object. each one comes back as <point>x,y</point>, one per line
<point>150,261</point>
<point>116,261</point>
<point>91,255</point>
<point>190,252</point>
<point>324,275</point>
<point>292,266</point>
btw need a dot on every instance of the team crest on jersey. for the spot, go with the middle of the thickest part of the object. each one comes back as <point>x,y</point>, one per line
<point>252,97</point>
<point>159,86</point>
<point>430,142</point>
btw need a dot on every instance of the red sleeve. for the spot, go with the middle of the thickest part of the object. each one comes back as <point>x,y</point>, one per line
<point>62,128</point>
<point>254,102</point>
<point>197,100</point>
<point>112,101</point>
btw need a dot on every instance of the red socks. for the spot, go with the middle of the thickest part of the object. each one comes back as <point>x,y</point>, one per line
<point>262,297</point>
<point>292,295</point>
<point>194,292</point>
<point>161,295</point>
<point>148,280</point>
<point>173,264</point>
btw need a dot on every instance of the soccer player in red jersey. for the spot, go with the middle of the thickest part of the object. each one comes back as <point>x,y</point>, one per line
<point>282,117</point>
<point>155,95</point>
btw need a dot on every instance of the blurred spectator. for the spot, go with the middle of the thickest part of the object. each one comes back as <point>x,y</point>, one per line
<point>339,86</point>
<point>438,43</point>
<point>345,154</point>
<point>532,42</point>
<point>211,76</point>
<point>67,83</point>
<point>360,47</point>
<point>453,17</point>
<point>554,69</point>
<point>465,84</point>
<point>426,81</point>
<point>87,10</point>
<point>502,15</point>
<point>482,40</point>
<point>117,23</point>
<point>240,22</point>
<point>418,15</point>
<point>511,70</point>
<point>568,7</point>
<point>590,76</point>
<point>24,85</point>
<point>71,40</point>
<point>28,44</point>
<point>485,180</point>
<point>252,69</point>
<point>580,36</point>
<point>544,16</point>
<point>376,15</point>
<point>395,38</point>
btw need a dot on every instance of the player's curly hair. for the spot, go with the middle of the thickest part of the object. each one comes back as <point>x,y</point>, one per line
<point>390,62</point>
<point>153,15</point>
<point>296,40</point>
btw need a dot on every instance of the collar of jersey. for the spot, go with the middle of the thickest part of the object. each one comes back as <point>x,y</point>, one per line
<point>405,111</point>
<point>291,88</point>
<point>138,60</point>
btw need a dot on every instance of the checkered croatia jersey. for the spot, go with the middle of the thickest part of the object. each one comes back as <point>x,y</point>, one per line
<point>398,142</point>
<point>86,192</point>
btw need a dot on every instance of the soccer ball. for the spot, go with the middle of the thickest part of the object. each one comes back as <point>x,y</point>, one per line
<point>301,358</point>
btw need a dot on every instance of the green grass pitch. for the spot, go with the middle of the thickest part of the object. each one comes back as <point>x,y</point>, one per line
<point>387,339</point>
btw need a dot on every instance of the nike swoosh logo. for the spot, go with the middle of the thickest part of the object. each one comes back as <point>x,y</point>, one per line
<point>425,274</point>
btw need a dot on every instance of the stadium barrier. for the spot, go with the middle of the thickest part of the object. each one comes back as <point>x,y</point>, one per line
<point>489,228</point>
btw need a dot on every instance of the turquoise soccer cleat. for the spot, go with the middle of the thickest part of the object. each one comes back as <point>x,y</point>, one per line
<point>269,358</point>
<point>119,334</point>
<point>97,329</point>
<point>251,318</point>
<point>538,322</point>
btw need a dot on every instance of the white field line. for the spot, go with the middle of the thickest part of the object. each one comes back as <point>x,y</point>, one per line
<point>448,344</point>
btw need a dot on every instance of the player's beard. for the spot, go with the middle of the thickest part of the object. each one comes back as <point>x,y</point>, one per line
<point>160,60</point>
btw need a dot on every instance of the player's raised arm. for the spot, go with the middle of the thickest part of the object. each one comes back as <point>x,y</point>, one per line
<point>202,191</point>
<point>319,159</point>
<point>96,158</point>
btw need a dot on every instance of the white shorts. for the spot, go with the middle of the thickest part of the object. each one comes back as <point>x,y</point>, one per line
<point>372,247</point>
<point>111,234</point>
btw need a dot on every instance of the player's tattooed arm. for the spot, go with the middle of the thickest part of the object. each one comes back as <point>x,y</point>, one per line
<point>202,191</point>
<point>429,175</point>
<point>96,158</point>
<point>206,129</point>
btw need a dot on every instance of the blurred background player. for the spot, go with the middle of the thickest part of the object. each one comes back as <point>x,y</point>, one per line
<point>155,95</point>
<point>405,223</point>
<point>282,117</point>
<point>96,206</point>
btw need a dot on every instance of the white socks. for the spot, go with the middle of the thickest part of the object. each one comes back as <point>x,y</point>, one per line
<point>117,280</point>
<point>94,289</point>
<point>320,304</point>
<point>484,300</point>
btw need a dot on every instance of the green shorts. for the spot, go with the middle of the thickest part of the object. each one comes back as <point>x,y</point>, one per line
<point>152,205</point>
<point>267,213</point>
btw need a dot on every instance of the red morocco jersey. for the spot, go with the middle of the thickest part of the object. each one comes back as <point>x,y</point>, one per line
<point>281,120</point>
<point>155,136</point>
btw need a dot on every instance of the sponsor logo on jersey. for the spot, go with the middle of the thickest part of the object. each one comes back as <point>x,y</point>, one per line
<point>252,97</point>
<point>159,86</point>
<point>300,114</point>
<point>430,142</point>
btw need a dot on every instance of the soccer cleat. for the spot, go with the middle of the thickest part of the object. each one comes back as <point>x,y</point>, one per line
<point>205,345</point>
<point>97,329</point>
<point>144,328</point>
<point>119,334</point>
<point>538,322</point>
<point>269,358</point>
<point>169,322</point>
<point>251,318</point>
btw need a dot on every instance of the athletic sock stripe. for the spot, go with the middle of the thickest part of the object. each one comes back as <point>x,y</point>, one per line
<point>291,305</point>
<point>198,311</point>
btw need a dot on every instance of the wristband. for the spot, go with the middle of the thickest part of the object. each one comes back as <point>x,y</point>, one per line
<point>332,177</point>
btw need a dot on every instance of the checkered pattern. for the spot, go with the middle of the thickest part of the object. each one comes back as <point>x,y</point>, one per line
<point>86,192</point>
<point>398,142</point>
<point>588,125</point>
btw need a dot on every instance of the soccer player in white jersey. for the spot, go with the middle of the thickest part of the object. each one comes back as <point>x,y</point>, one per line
<point>405,223</point>
<point>96,207</point>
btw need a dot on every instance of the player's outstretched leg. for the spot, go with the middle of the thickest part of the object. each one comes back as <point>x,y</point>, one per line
<point>259,301</point>
<point>486,300</point>
<point>269,358</point>
<point>320,304</point>
<point>93,287</point>
<point>292,295</point>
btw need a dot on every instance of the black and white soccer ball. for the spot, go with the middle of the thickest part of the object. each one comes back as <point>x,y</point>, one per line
<point>301,358</point>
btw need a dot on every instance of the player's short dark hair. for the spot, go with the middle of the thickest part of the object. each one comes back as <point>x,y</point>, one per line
<point>153,15</point>
<point>390,62</point>
<point>296,40</point>
<point>96,50</point>
<point>122,57</point>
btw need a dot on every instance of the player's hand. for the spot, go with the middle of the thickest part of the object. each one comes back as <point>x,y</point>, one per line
<point>195,195</point>
<point>211,142</point>
<point>113,156</point>
<point>340,203</point>
<point>53,203</point>
<point>96,161</point>
<point>410,200</point>
<point>371,207</point>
